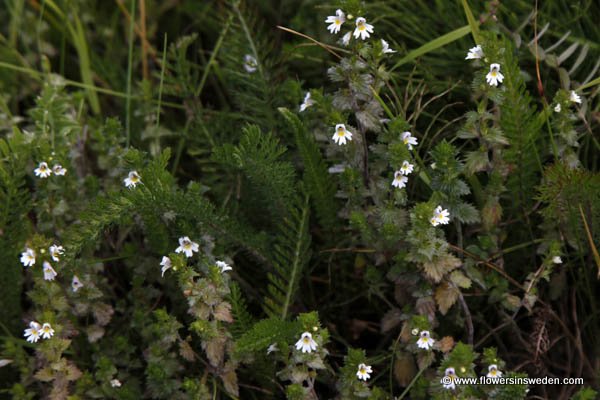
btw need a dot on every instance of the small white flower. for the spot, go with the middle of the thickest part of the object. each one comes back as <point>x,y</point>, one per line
<point>56,251</point>
<point>166,264</point>
<point>574,97</point>
<point>474,53</point>
<point>364,372</point>
<point>272,348</point>
<point>433,166</point>
<point>132,180</point>
<point>409,140</point>
<point>336,21</point>
<point>386,47</point>
<point>425,341</point>
<point>32,334</point>
<point>346,38</point>
<point>306,343</point>
<point>223,266</point>
<point>307,102</point>
<point>400,180</point>
<point>449,384</point>
<point>341,135</point>
<point>440,216</point>
<point>557,108</point>
<point>415,332</point>
<point>362,28</point>
<point>494,76</point>
<point>337,169</point>
<point>250,64</point>
<point>42,170</point>
<point>406,168</point>
<point>187,246</point>
<point>557,260</point>
<point>28,257</point>
<point>47,331</point>
<point>59,169</point>
<point>49,272</point>
<point>494,372</point>
<point>115,383</point>
<point>76,283</point>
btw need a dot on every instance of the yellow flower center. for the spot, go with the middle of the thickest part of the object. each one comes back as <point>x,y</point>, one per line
<point>494,73</point>
<point>363,371</point>
<point>361,27</point>
<point>337,21</point>
<point>306,340</point>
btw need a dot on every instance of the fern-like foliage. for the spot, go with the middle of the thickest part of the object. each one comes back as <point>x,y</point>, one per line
<point>242,319</point>
<point>316,177</point>
<point>15,203</point>
<point>519,124</point>
<point>265,333</point>
<point>258,157</point>
<point>291,255</point>
<point>253,92</point>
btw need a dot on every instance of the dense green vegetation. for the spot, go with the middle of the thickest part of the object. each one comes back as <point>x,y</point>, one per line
<point>236,200</point>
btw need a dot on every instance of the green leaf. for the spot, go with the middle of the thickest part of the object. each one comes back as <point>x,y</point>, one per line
<point>433,45</point>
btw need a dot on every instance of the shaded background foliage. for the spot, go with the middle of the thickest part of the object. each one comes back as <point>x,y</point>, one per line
<point>182,86</point>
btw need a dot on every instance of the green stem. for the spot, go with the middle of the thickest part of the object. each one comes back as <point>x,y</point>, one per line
<point>129,74</point>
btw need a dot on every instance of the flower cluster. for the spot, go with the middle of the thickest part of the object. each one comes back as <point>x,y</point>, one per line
<point>448,381</point>
<point>188,247</point>
<point>362,29</point>
<point>35,331</point>
<point>43,170</point>
<point>494,76</point>
<point>28,259</point>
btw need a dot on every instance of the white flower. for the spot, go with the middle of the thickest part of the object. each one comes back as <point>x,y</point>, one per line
<point>337,169</point>
<point>187,246</point>
<point>362,28</point>
<point>474,53</point>
<point>56,251</point>
<point>557,260</point>
<point>49,272</point>
<point>58,169</point>
<point>400,180</point>
<point>336,21</point>
<point>133,178</point>
<point>76,283</point>
<point>440,216</point>
<point>307,102</point>
<point>250,64</point>
<point>306,343</point>
<point>28,257</point>
<point>557,108</point>
<point>364,372</point>
<point>166,264</point>
<point>32,334</point>
<point>406,168</point>
<point>224,266</point>
<point>386,47</point>
<point>47,331</point>
<point>341,134</point>
<point>493,371</point>
<point>415,332</point>
<point>115,383</point>
<point>346,38</point>
<point>272,348</point>
<point>425,341</point>
<point>409,140</point>
<point>433,166</point>
<point>449,383</point>
<point>574,97</point>
<point>494,76</point>
<point>42,170</point>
